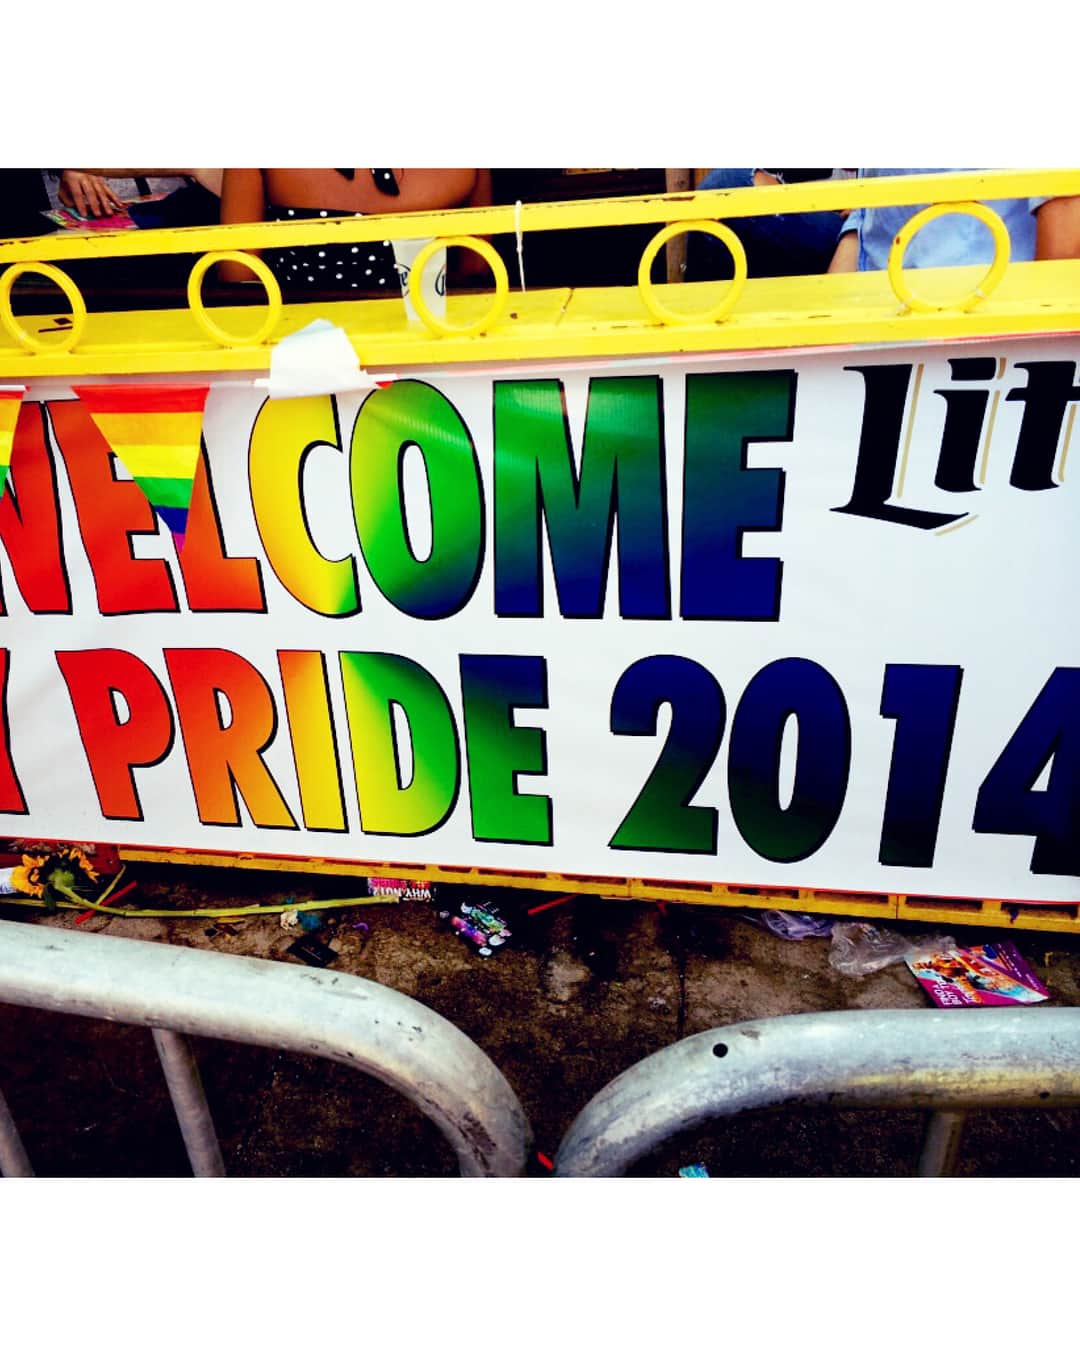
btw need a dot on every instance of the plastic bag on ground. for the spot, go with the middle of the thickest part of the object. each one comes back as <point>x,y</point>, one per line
<point>859,948</point>
<point>791,924</point>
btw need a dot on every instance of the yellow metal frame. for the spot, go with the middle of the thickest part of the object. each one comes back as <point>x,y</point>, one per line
<point>816,311</point>
<point>1061,916</point>
<point>1032,297</point>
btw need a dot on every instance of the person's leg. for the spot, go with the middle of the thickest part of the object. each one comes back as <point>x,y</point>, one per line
<point>793,245</point>
<point>776,245</point>
<point>706,257</point>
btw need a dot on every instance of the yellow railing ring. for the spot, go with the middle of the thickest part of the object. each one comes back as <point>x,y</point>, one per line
<point>198,309</point>
<point>502,285</point>
<point>719,311</point>
<point>994,272</point>
<point>74,298</point>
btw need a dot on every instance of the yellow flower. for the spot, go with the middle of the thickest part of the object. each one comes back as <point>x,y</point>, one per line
<point>26,877</point>
<point>56,871</point>
<point>79,858</point>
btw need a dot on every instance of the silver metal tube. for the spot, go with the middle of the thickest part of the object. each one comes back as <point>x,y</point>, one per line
<point>845,1058</point>
<point>14,1161</point>
<point>941,1143</point>
<point>189,1103</point>
<point>313,1010</point>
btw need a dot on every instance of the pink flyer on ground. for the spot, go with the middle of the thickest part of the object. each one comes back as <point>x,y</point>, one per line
<point>985,974</point>
<point>400,890</point>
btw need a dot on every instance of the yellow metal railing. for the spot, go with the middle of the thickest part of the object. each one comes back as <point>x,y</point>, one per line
<point>737,315</point>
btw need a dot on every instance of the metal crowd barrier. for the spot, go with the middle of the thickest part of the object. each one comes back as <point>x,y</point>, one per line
<point>936,1059</point>
<point>314,1011</point>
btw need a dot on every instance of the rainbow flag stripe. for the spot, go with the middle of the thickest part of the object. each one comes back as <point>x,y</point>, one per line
<point>155,431</point>
<point>10,402</point>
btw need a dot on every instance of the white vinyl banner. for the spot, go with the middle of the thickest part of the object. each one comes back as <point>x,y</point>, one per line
<point>802,619</point>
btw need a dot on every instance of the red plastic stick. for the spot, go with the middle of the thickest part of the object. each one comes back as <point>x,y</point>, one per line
<point>105,902</point>
<point>545,905</point>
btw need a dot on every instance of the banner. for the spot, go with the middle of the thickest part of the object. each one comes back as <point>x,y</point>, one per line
<point>802,619</point>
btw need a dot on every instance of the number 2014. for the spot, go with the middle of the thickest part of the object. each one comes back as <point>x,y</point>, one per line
<point>922,699</point>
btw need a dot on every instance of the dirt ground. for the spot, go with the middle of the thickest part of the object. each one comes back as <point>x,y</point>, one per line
<point>582,991</point>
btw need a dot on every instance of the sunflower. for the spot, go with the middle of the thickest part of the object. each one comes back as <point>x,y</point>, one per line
<point>46,875</point>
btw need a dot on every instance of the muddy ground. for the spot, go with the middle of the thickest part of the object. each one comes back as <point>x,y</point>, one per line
<point>583,991</point>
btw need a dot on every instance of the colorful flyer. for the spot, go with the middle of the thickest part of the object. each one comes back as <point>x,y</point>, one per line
<point>68,218</point>
<point>400,890</point>
<point>985,974</point>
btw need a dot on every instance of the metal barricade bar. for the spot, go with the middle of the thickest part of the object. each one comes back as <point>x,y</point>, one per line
<point>941,1144</point>
<point>937,1059</point>
<point>314,1011</point>
<point>14,1161</point>
<point>189,1103</point>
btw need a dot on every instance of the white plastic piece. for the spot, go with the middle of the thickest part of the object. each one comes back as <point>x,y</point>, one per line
<point>318,359</point>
